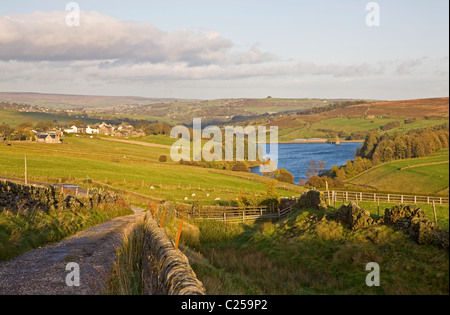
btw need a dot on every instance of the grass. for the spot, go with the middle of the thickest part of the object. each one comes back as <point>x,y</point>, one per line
<point>126,273</point>
<point>417,176</point>
<point>323,128</point>
<point>20,232</point>
<point>127,166</point>
<point>303,254</point>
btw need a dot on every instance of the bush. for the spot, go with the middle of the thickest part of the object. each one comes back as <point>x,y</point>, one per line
<point>240,167</point>
<point>163,158</point>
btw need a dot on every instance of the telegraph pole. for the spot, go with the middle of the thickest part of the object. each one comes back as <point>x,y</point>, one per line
<point>26,175</point>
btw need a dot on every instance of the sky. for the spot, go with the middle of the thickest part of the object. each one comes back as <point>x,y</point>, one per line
<point>208,49</point>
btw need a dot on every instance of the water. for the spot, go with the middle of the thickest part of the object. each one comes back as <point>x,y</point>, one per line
<point>294,156</point>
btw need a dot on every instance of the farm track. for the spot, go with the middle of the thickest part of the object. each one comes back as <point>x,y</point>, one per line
<point>43,271</point>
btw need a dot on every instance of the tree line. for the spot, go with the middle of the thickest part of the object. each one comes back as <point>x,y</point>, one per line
<point>382,148</point>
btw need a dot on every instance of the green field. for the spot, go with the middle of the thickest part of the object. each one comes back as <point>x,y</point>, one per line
<point>128,166</point>
<point>328,127</point>
<point>306,254</point>
<point>429,175</point>
<point>351,124</point>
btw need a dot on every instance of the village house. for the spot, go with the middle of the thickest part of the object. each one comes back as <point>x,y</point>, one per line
<point>48,138</point>
<point>106,129</point>
<point>73,129</point>
<point>91,131</point>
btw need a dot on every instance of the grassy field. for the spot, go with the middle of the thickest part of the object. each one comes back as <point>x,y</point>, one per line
<point>127,166</point>
<point>418,176</point>
<point>347,125</point>
<point>307,255</point>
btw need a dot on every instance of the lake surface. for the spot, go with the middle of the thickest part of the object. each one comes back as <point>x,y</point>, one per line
<point>294,156</point>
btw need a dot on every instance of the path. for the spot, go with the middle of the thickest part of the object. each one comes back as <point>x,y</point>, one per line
<point>43,271</point>
<point>141,143</point>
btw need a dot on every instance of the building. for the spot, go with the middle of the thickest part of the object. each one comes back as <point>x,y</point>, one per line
<point>105,129</point>
<point>73,129</point>
<point>48,138</point>
<point>92,131</point>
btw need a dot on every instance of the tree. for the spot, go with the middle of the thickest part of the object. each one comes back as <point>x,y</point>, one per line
<point>284,176</point>
<point>5,131</point>
<point>77,123</point>
<point>315,168</point>
<point>44,125</point>
<point>369,145</point>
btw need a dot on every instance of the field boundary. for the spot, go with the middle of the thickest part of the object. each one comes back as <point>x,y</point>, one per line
<point>348,196</point>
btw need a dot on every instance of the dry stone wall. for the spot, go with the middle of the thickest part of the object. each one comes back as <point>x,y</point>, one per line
<point>166,270</point>
<point>22,198</point>
<point>410,219</point>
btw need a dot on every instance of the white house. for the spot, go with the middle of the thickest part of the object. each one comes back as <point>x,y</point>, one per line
<point>73,129</point>
<point>91,131</point>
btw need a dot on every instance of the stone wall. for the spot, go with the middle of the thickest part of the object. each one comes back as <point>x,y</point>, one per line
<point>414,222</point>
<point>22,198</point>
<point>411,220</point>
<point>352,215</point>
<point>313,199</point>
<point>166,270</point>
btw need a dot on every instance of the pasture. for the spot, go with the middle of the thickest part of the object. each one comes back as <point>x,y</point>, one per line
<point>127,166</point>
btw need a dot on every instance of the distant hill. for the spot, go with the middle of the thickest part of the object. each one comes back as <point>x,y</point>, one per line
<point>420,108</point>
<point>62,101</point>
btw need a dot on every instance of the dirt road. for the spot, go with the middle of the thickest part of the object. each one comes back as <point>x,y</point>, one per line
<point>43,271</point>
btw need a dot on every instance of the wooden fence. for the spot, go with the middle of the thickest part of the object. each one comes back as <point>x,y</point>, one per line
<point>348,196</point>
<point>233,214</point>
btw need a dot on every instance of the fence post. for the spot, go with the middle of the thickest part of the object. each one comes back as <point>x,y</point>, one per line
<point>360,197</point>
<point>441,201</point>
<point>401,199</point>
<point>162,220</point>
<point>243,216</point>
<point>224,216</point>
<point>415,200</point>
<point>434,210</point>
<point>389,198</point>
<point>374,197</point>
<point>346,196</point>
<point>179,234</point>
<point>378,206</point>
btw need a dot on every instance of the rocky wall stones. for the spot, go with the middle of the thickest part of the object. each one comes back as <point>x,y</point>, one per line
<point>166,270</point>
<point>356,217</point>
<point>313,199</point>
<point>414,222</point>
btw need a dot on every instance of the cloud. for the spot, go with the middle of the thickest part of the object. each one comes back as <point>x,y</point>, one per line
<point>407,67</point>
<point>45,36</point>
<point>40,47</point>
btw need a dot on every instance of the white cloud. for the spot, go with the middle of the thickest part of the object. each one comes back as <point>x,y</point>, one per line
<point>40,48</point>
<point>45,36</point>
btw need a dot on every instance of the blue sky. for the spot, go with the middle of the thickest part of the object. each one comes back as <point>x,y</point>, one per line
<point>246,48</point>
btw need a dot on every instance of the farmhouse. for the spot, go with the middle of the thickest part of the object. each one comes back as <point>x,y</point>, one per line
<point>91,131</point>
<point>106,129</point>
<point>48,138</point>
<point>73,129</point>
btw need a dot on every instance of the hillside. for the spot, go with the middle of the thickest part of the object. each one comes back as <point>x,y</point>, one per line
<point>355,121</point>
<point>164,110</point>
<point>131,166</point>
<point>63,101</point>
<point>428,175</point>
<point>306,254</point>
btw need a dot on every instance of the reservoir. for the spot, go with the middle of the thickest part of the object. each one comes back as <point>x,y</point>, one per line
<point>294,156</point>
